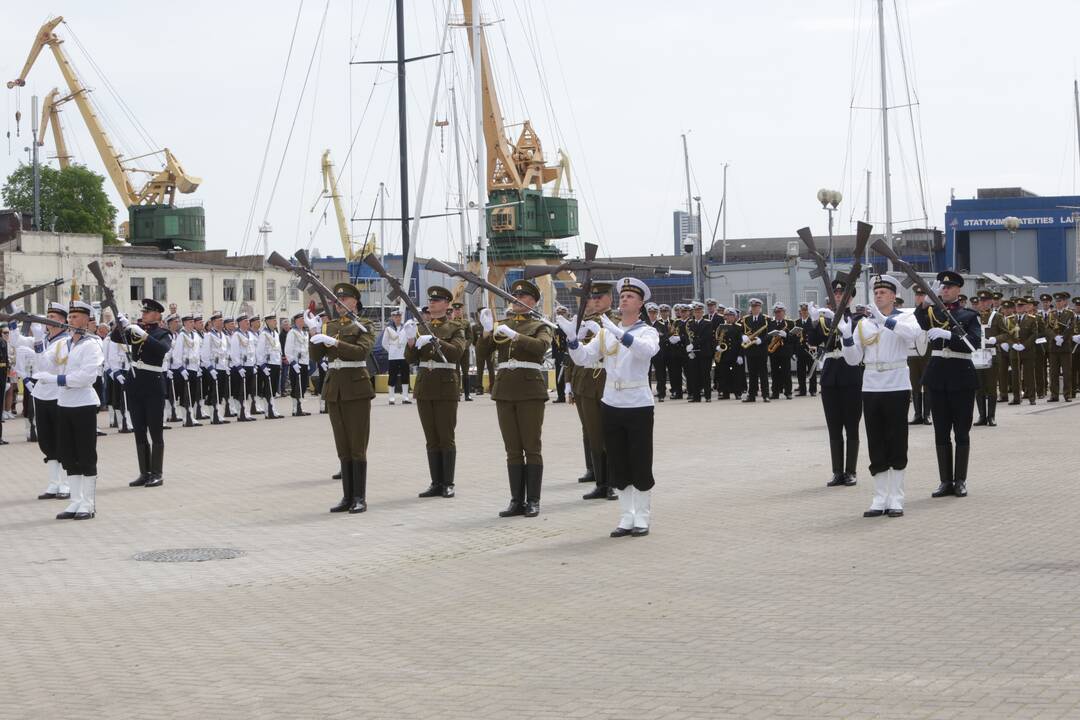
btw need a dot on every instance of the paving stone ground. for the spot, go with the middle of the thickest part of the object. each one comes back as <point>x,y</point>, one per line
<point>760,593</point>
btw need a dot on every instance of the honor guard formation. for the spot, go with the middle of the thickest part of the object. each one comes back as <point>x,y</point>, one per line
<point>940,363</point>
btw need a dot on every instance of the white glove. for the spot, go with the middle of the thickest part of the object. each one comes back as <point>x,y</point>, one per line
<point>423,340</point>
<point>121,378</point>
<point>844,326</point>
<point>1059,340</point>
<point>312,321</point>
<point>122,321</point>
<point>936,288</point>
<point>168,374</point>
<point>45,377</point>
<point>611,327</point>
<point>690,354</point>
<point>1076,338</point>
<point>782,333</point>
<point>876,313</point>
<point>675,339</point>
<point>1005,347</point>
<point>745,339</point>
<point>991,341</point>
<point>184,374</point>
<point>813,312</point>
<point>739,360</point>
<point>565,325</point>
<point>937,333</point>
<point>136,330</point>
<point>506,331</point>
<point>487,320</point>
<point>1018,347</point>
<point>296,368</point>
<point>410,330</point>
<point>213,373</point>
<point>827,313</point>
<point>266,371</point>
<point>588,327</point>
<point>37,330</point>
<point>757,341</point>
<point>321,339</point>
<point>242,372</point>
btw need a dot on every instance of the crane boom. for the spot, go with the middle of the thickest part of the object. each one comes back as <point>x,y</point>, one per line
<point>50,115</point>
<point>330,190</point>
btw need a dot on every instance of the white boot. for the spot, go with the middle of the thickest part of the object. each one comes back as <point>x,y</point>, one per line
<point>642,509</point>
<point>52,469</point>
<point>882,486</point>
<point>392,395</point>
<point>405,396</point>
<point>89,493</point>
<point>127,419</point>
<point>896,491</point>
<point>626,508</point>
<point>61,480</point>
<point>76,483</point>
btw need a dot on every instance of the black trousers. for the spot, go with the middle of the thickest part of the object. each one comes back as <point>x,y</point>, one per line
<point>299,381</point>
<point>560,379</point>
<point>758,376</point>
<point>952,411</point>
<point>628,441</point>
<point>675,364</point>
<point>843,411</point>
<point>805,368</point>
<point>660,370</point>
<point>697,374</point>
<point>45,415</point>
<point>77,438</point>
<point>397,374</point>
<point>886,429</point>
<point>195,386</point>
<point>99,388</point>
<point>146,401</point>
<point>780,365</point>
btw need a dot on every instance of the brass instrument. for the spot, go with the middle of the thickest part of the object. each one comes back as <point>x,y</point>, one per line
<point>750,338</point>
<point>775,344</point>
<point>721,343</point>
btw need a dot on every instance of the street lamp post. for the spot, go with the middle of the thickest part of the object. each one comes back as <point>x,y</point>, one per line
<point>829,200</point>
<point>1012,224</point>
<point>698,280</point>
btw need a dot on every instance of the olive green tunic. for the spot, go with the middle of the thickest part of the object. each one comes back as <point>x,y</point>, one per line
<point>588,386</point>
<point>436,388</point>
<point>519,393</point>
<point>347,390</point>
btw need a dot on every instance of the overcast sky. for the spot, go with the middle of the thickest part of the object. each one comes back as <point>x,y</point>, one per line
<point>766,87</point>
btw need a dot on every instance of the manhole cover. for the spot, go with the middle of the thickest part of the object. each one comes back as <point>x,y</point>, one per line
<point>189,555</point>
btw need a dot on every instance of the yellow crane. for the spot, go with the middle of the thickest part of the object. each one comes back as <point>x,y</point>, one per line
<point>50,116</point>
<point>158,193</point>
<point>330,190</point>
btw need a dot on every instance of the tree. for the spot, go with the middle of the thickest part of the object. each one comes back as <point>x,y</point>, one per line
<point>72,200</point>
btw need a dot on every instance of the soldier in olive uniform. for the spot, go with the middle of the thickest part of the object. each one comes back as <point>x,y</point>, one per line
<point>1060,345</point>
<point>1022,351</point>
<point>344,345</point>
<point>519,344</point>
<point>993,325</point>
<point>457,315</point>
<point>587,385</point>
<point>1042,347</point>
<point>436,388</point>
<point>918,359</point>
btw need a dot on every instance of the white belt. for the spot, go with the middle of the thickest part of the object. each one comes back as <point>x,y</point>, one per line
<point>598,365</point>
<point>140,365</point>
<point>832,354</point>
<point>950,354</point>
<point>886,366</point>
<point>342,364</point>
<point>432,365</point>
<point>629,384</point>
<point>519,364</point>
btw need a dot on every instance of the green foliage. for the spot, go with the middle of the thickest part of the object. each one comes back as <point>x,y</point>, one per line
<point>72,200</point>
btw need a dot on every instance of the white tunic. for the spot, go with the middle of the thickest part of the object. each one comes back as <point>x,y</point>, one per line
<point>187,346</point>
<point>394,342</point>
<point>81,362</point>
<point>296,347</point>
<point>268,348</point>
<point>49,361</point>
<point>883,350</point>
<point>626,363</point>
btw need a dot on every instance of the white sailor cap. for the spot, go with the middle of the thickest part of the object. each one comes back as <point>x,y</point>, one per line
<point>755,301</point>
<point>652,306</point>
<point>779,306</point>
<point>171,317</point>
<point>55,307</point>
<point>710,301</point>
<point>395,311</point>
<point>665,306</point>
<point>80,306</point>
<point>634,285</point>
<point>885,281</point>
<point>697,305</point>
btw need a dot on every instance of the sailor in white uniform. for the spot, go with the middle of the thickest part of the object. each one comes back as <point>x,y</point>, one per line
<point>268,362</point>
<point>881,343</point>
<point>296,354</point>
<point>627,404</point>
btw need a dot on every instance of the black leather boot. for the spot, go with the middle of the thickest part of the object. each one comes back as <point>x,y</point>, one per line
<point>157,462</point>
<point>837,480</point>
<point>590,474</point>
<point>359,487</point>
<point>916,403</point>
<point>143,452</point>
<point>851,461</point>
<point>346,488</point>
<point>991,411</point>
<point>449,460</point>
<point>516,475</point>
<point>599,466</point>
<point>960,470</point>
<point>980,403</point>
<point>434,461</point>
<point>926,408</point>
<point>945,471</point>
<point>534,477</point>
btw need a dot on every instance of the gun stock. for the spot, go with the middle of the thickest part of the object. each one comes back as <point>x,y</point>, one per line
<point>5,302</point>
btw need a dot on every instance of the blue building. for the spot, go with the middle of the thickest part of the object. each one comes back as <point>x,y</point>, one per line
<point>1043,247</point>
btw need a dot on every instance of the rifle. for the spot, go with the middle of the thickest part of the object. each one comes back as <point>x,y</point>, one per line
<point>398,293</point>
<point>822,269</point>
<point>27,318</point>
<point>584,268</point>
<point>474,279</point>
<point>10,299</point>
<point>109,301</point>
<point>862,236</point>
<point>328,297</point>
<point>310,279</point>
<point>882,248</point>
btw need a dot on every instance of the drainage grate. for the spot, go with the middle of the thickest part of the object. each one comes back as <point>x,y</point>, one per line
<point>189,555</point>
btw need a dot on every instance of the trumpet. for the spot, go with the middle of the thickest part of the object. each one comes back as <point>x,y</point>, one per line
<point>750,338</point>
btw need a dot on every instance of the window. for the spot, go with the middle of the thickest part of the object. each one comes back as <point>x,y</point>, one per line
<point>228,288</point>
<point>271,290</point>
<point>249,291</point>
<point>159,289</point>
<point>294,291</point>
<point>194,289</point>
<point>811,296</point>
<point>742,301</point>
<point>138,288</point>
